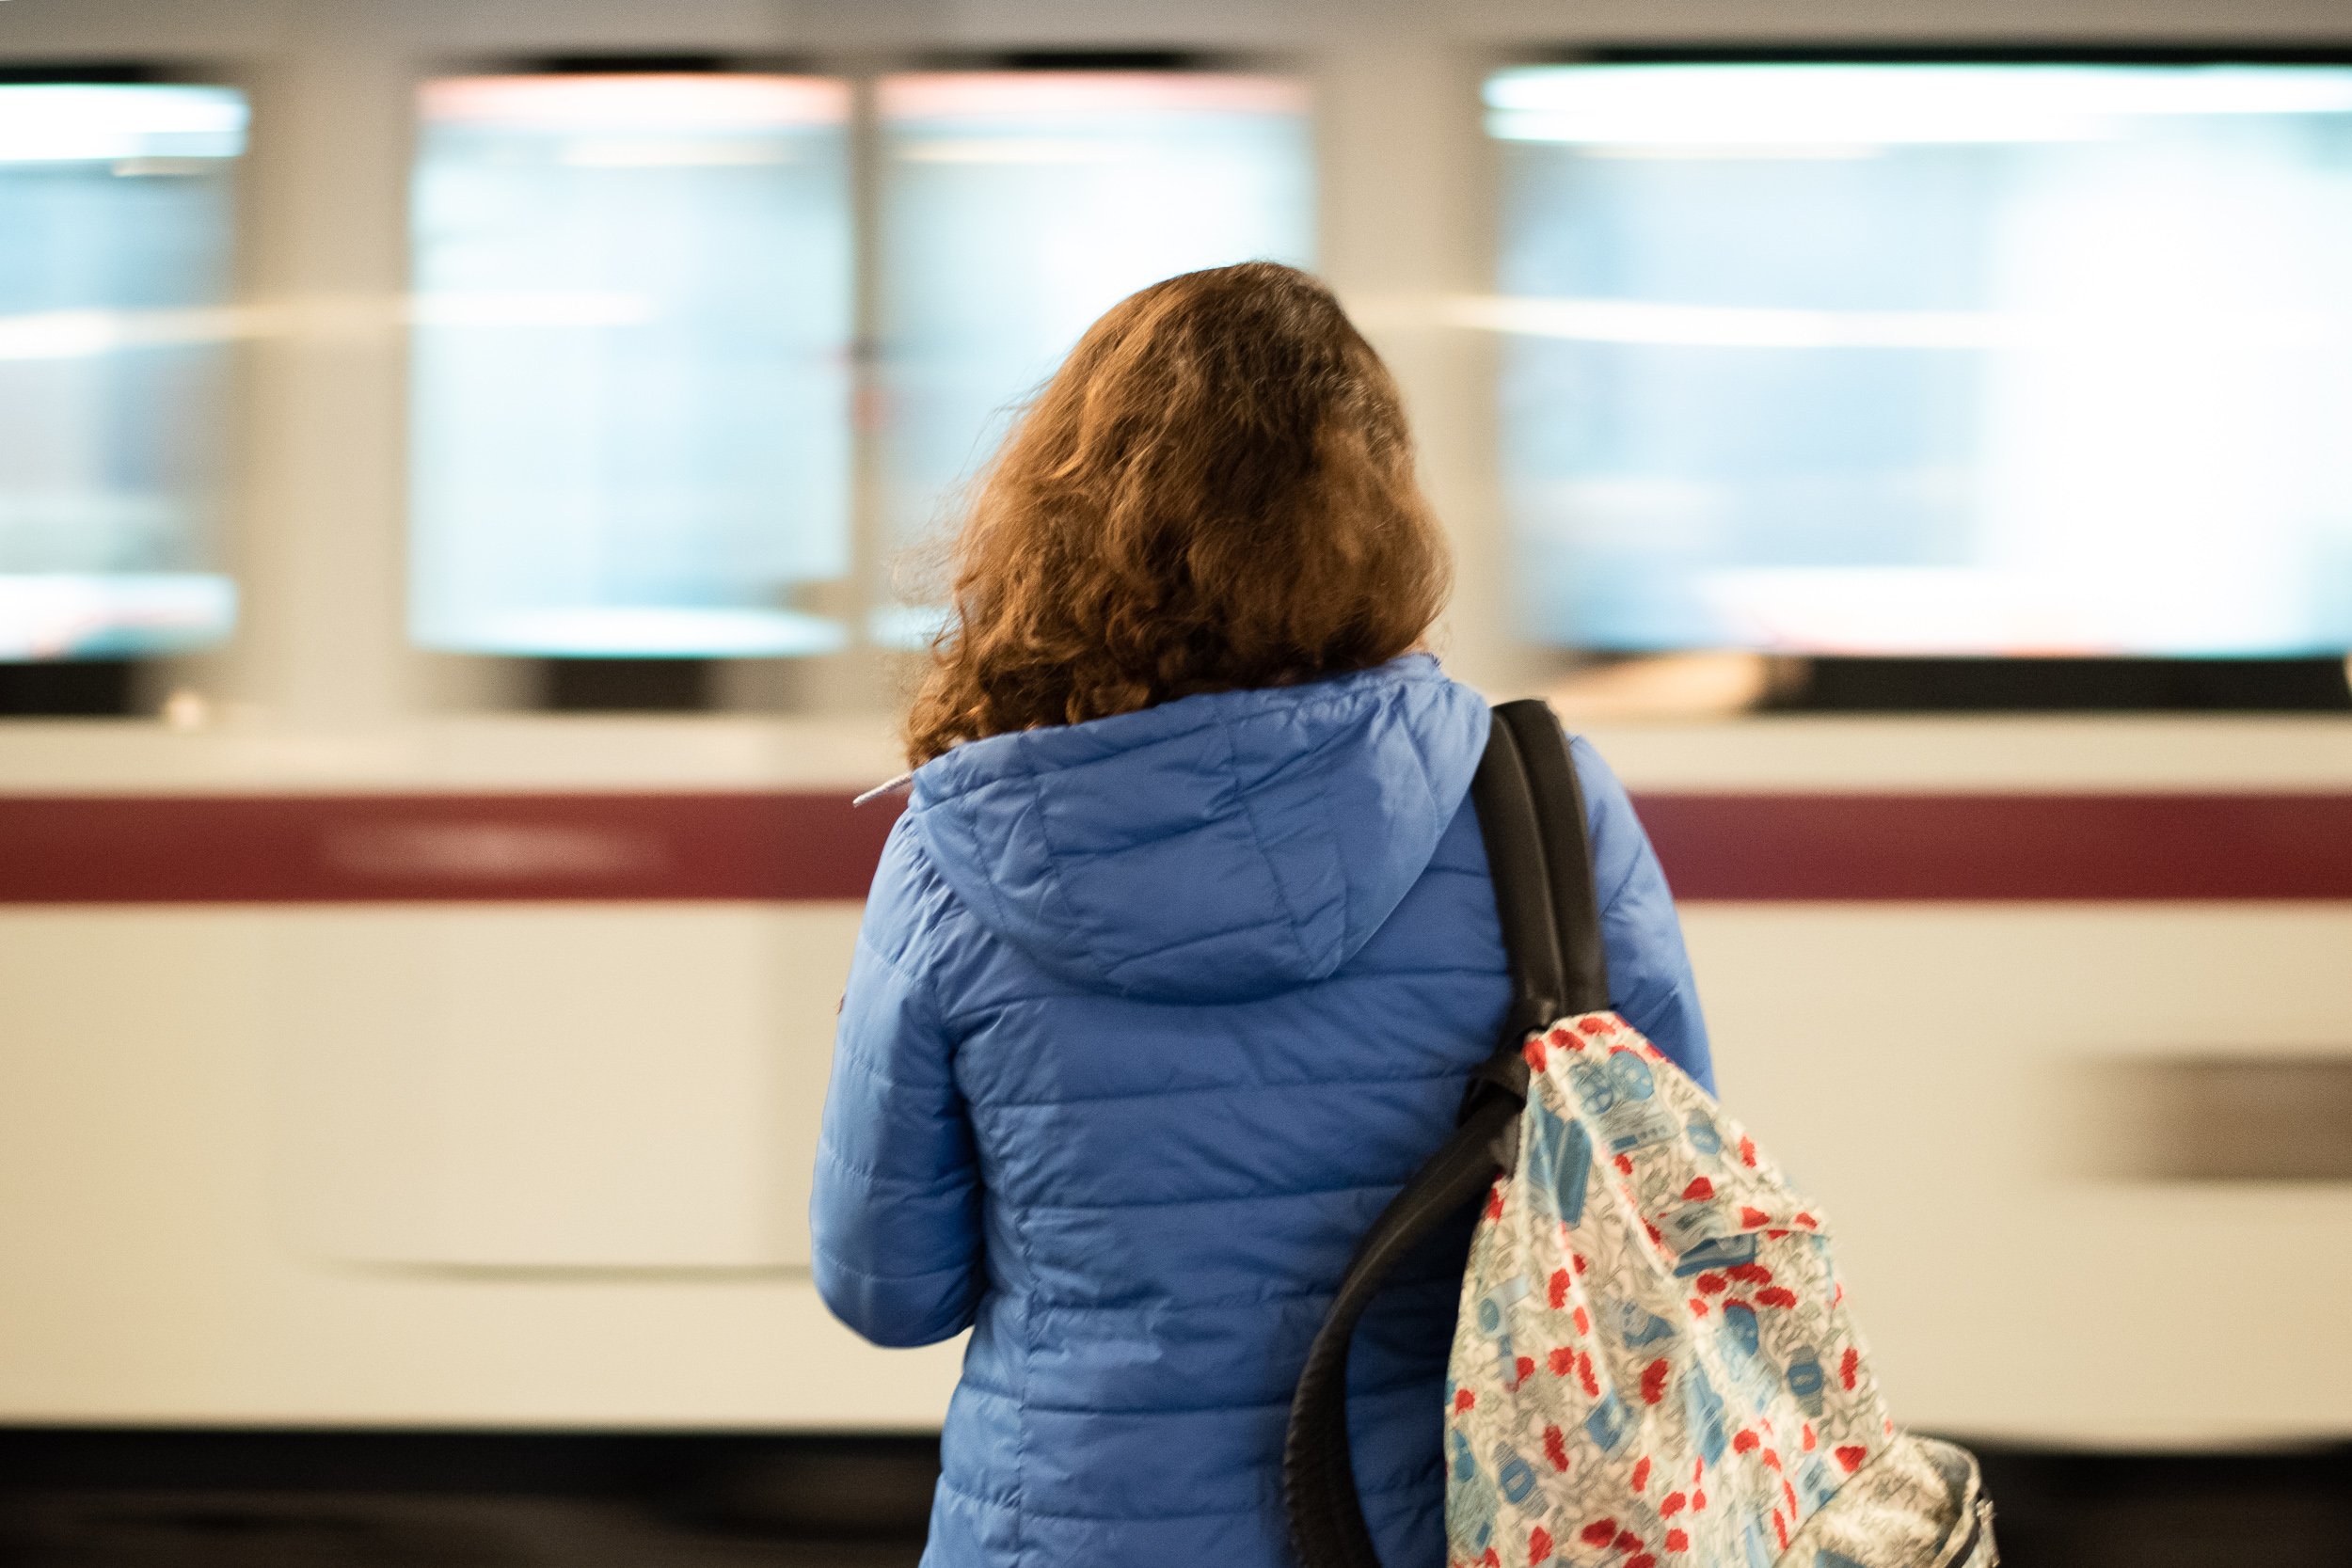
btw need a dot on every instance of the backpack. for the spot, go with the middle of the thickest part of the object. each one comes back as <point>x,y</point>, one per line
<point>1653,1363</point>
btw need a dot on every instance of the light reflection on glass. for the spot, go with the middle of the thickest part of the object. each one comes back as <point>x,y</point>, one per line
<point>1018,206</point>
<point>116,218</point>
<point>630,371</point>
<point>1955,358</point>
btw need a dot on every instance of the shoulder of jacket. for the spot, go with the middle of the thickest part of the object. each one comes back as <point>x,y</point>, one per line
<point>909,905</point>
<point>1620,843</point>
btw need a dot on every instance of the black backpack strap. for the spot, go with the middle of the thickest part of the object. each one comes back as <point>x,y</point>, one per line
<point>1531,816</point>
<point>1567,852</point>
<point>1519,859</point>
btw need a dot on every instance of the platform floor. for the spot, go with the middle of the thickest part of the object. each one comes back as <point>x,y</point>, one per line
<point>190,1499</point>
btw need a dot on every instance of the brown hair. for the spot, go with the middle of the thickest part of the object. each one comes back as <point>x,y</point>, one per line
<point>1215,491</point>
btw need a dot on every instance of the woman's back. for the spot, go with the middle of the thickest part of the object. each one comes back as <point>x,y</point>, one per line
<point>1151,1016</point>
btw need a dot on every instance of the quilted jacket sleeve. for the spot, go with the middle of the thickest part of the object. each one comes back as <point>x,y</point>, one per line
<point>1649,973</point>
<point>895,1213</point>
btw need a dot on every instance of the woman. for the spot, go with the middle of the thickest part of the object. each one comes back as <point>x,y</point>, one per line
<point>1176,965</point>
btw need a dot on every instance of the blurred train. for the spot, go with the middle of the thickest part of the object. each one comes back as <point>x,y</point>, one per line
<point>457,471</point>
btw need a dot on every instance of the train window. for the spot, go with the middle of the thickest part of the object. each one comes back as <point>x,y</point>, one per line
<point>1929,358</point>
<point>1018,206</point>
<point>631,379</point>
<point>116,324</point>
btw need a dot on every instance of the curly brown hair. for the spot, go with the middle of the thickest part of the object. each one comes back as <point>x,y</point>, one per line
<point>1215,491</point>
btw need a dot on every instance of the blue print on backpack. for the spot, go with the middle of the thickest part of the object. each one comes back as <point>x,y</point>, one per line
<point>1494,1321</point>
<point>1693,1224</point>
<point>1703,1135</point>
<point>1723,1252</point>
<point>1806,1381</point>
<point>1623,1096</point>
<point>1609,1423</point>
<point>1559,1158</point>
<point>1814,1478</point>
<point>1743,1343</point>
<point>1638,1326</point>
<point>1703,1410</point>
<point>1471,1505</point>
<point>1515,1474</point>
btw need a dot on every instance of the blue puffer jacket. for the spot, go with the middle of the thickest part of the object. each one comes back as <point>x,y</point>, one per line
<point>1149,1016</point>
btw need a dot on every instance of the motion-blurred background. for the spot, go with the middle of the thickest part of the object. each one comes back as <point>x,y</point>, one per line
<point>465,470</point>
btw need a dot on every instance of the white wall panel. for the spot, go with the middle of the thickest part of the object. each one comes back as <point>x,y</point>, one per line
<point>530,1087</point>
<point>149,1277</point>
<point>1909,1065</point>
<point>1917,1068</point>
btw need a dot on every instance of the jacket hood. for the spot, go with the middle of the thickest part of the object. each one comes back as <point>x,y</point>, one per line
<point>1214,848</point>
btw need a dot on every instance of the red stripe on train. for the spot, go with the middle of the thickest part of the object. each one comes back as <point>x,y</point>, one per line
<point>801,845</point>
<point>371,848</point>
<point>1843,848</point>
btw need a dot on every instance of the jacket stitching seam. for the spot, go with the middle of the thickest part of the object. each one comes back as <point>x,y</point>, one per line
<point>922,997</point>
<point>1271,1298</point>
<point>1302,1084</point>
<point>1284,921</point>
<point>1017,1509</point>
<point>1154,1411</point>
<point>945,1181</point>
<point>833,1259</point>
<point>1020,1228</point>
<point>1037,1205</point>
<point>922,833</point>
<point>1257,841</point>
<point>1033,998</point>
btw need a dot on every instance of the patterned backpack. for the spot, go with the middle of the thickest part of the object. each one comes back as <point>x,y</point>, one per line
<point>1653,1363</point>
